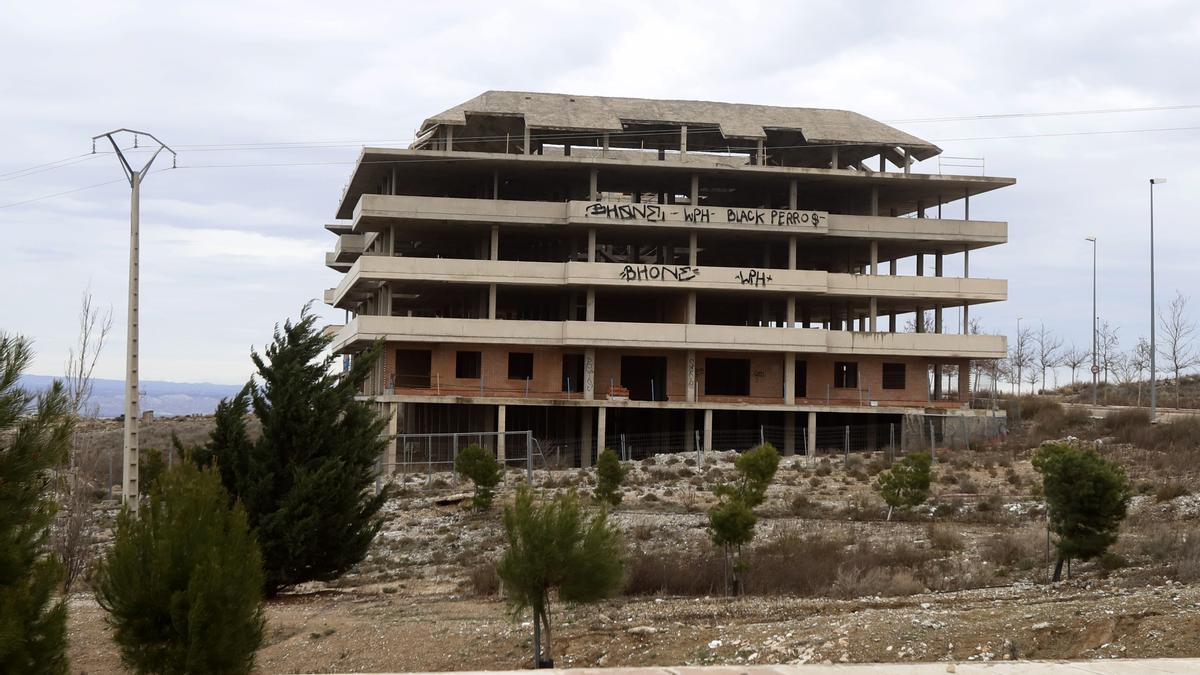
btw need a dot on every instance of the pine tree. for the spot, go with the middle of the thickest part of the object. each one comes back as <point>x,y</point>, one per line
<point>1087,496</point>
<point>33,630</point>
<point>481,467</point>
<point>183,581</point>
<point>609,476</point>
<point>304,481</point>
<point>906,484</point>
<point>555,545</point>
<point>731,520</point>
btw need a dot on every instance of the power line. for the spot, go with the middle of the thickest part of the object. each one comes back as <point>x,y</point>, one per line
<point>1061,113</point>
<point>38,168</point>
<point>67,192</point>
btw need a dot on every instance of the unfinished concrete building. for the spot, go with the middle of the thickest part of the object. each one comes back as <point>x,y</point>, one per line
<point>669,273</point>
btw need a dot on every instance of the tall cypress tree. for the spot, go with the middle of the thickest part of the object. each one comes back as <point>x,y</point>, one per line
<point>33,438</point>
<point>304,481</point>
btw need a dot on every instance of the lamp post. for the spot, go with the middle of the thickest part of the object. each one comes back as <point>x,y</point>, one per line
<point>1095,365</point>
<point>1153,318</point>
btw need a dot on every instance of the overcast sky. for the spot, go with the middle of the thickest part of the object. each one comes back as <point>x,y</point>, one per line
<point>227,252</point>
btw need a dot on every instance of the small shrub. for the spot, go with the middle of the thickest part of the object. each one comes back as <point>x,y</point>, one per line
<point>183,582</point>
<point>483,579</point>
<point>906,484</point>
<point>824,470</point>
<point>609,476</point>
<point>945,537</point>
<point>1170,491</point>
<point>1112,561</point>
<point>481,467</point>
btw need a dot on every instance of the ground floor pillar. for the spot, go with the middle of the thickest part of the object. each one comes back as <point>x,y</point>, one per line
<point>708,428</point>
<point>389,453</point>
<point>811,436</point>
<point>789,378</point>
<point>585,443</point>
<point>689,430</point>
<point>789,433</point>
<point>501,414</point>
<point>601,423</point>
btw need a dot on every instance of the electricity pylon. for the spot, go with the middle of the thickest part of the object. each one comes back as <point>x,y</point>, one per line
<point>129,467</point>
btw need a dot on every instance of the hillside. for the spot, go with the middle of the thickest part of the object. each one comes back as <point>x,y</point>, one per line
<point>168,399</point>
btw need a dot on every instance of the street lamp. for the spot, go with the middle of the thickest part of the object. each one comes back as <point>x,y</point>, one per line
<point>1153,318</point>
<point>1095,366</point>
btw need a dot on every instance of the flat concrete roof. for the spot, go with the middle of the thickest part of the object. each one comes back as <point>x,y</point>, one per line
<point>735,120</point>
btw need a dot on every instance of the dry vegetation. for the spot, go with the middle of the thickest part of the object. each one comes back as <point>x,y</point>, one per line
<point>964,576</point>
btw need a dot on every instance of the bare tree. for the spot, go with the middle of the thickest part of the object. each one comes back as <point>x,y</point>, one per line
<point>1074,358</point>
<point>1125,368</point>
<point>1109,344</point>
<point>1139,360</point>
<point>1021,357</point>
<point>1047,355</point>
<point>1178,344</point>
<point>74,532</point>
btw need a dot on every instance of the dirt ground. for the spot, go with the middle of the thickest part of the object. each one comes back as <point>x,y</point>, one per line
<point>963,578</point>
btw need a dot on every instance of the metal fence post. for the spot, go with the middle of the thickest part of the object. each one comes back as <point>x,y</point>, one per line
<point>428,460</point>
<point>454,460</point>
<point>699,450</point>
<point>624,452</point>
<point>529,455</point>
<point>761,437</point>
<point>966,433</point>
<point>891,442</point>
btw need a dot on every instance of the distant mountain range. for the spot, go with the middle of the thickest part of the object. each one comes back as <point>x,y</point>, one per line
<point>164,398</point>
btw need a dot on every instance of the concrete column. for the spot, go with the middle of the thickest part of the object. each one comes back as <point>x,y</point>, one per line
<point>811,450</point>
<point>937,309</point>
<point>591,245</point>
<point>604,141</point>
<point>591,305</point>
<point>792,252</point>
<point>689,431</point>
<point>966,309</point>
<point>874,258</point>
<point>496,184</point>
<point>601,424</point>
<point>594,185</point>
<point>833,160</point>
<point>874,314</point>
<point>793,190</point>
<point>789,433</point>
<point>789,378</point>
<point>874,201</point>
<point>491,301</point>
<point>691,308</point>
<point>528,149</point>
<point>682,141</point>
<point>907,160</point>
<point>585,443</point>
<point>693,248</point>
<point>789,316</point>
<point>708,428</point>
<point>920,264</point>
<point>589,373</point>
<point>964,380</point>
<point>449,137</point>
<point>695,192</point>
<point>690,377</point>
<point>389,453</point>
<point>494,245</point>
<point>501,427</point>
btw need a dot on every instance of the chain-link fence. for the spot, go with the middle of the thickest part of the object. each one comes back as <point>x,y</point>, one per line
<point>426,454</point>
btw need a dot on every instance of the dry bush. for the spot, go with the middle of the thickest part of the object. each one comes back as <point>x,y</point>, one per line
<point>483,579</point>
<point>1187,557</point>
<point>1169,491</point>
<point>1028,407</point>
<point>679,573</point>
<point>1013,549</point>
<point>943,537</point>
<point>851,583</point>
